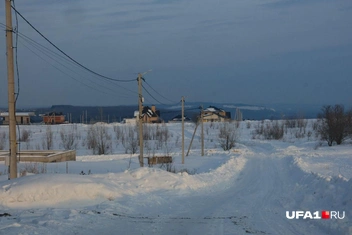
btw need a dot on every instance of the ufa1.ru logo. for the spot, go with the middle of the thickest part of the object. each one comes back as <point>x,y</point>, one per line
<point>315,215</point>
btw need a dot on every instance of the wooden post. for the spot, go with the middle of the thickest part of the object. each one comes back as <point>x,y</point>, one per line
<point>11,93</point>
<point>183,130</point>
<point>140,121</point>
<point>202,133</point>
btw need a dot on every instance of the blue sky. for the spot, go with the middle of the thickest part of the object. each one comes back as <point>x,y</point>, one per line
<point>254,52</point>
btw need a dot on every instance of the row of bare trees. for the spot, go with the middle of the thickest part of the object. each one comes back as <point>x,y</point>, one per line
<point>334,125</point>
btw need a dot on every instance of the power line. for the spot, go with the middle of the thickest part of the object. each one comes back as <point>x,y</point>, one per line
<point>18,82</point>
<point>36,45</point>
<point>33,42</point>
<point>159,93</point>
<point>98,74</point>
<point>155,98</point>
<point>46,51</point>
<point>16,56</point>
<point>91,87</point>
<point>151,95</point>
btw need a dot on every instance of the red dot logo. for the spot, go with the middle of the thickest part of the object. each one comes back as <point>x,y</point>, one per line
<point>325,214</point>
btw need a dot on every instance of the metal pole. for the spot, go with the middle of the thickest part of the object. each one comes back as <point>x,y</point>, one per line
<point>11,93</point>
<point>140,121</point>
<point>183,130</point>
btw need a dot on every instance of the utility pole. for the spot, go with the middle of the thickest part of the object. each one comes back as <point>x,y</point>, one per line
<point>11,93</point>
<point>140,121</point>
<point>202,132</point>
<point>183,130</point>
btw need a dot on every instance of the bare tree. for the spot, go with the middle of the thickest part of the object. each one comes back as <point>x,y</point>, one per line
<point>68,138</point>
<point>274,130</point>
<point>131,142</point>
<point>48,138</point>
<point>162,135</point>
<point>269,130</point>
<point>98,139</point>
<point>2,140</point>
<point>227,135</point>
<point>118,132</point>
<point>25,135</point>
<point>349,123</point>
<point>333,124</point>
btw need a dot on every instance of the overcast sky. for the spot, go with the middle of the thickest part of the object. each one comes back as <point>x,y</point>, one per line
<point>233,51</point>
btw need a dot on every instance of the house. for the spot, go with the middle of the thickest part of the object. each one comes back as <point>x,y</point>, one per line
<point>53,118</point>
<point>131,121</point>
<point>149,115</point>
<point>178,118</point>
<point>23,118</point>
<point>214,114</point>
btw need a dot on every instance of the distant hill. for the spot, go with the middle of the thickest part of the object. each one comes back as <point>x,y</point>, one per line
<point>256,112</point>
<point>192,109</point>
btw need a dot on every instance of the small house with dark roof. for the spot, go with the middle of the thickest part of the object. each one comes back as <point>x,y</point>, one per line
<point>53,118</point>
<point>214,114</point>
<point>149,114</point>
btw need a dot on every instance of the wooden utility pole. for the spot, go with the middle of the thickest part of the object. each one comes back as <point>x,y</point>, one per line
<point>202,132</point>
<point>183,130</point>
<point>11,93</point>
<point>140,121</point>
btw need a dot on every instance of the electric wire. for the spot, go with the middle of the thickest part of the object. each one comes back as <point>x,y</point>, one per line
<point>87,85</point>
<point>70,69</point>
<point>18,81</point>
<point>157,99</point>
<point>16,55</point>
<point>86,68</point>
<point>152,95</point>
<point>159,93</point>
<point>47,51</point>
<point>33,44</point>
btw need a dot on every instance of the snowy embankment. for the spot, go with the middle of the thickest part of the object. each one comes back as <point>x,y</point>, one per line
<point>317,192</point>
<point>60,190</point>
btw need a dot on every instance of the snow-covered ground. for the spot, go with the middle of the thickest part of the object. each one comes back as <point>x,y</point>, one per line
<point>246,190</point>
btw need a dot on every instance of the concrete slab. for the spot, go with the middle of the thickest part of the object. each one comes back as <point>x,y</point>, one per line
<point>42,156</point>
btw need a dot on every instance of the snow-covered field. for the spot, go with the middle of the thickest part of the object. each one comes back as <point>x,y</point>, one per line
<point>246,190</point>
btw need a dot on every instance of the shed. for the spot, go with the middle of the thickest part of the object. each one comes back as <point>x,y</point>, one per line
<point>23,118</point>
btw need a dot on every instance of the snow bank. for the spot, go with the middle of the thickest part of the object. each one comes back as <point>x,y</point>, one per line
<point>65,191</point>
<point>313,192</point>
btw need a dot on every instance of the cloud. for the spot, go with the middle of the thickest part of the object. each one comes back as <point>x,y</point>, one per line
<point>288,3</point>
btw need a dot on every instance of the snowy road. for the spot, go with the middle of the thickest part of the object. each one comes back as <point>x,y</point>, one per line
<point>254,201</point>
<point>254,204</point>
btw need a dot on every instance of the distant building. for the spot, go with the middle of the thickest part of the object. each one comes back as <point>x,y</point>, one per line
<point>23,118</point>
<point>149,115</point>
<point>178,118</point>
<point>53,118</point>
<point>214,114</point>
